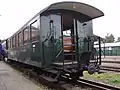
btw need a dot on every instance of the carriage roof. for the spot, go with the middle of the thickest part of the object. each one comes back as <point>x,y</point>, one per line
<point>82,8</point>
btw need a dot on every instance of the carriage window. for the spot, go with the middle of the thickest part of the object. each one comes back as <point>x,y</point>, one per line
<point>34,31</point>
<point>25,35</point>
<point>16,40</point>
<point>20,38</point>
<point>10,43</point>
<point>13,41</point>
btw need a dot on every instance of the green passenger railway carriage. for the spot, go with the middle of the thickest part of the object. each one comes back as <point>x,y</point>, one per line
<point>40,42</point>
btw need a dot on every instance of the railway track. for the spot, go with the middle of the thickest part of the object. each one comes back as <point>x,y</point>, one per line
<point>97,85</point>
<point>65,83</point>
<point>117,62</point>
<point>112,65</point>
<point>110,68</point>
<point>93,85</point>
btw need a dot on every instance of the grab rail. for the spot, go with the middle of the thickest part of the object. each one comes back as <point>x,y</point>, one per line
<point>59,53</point>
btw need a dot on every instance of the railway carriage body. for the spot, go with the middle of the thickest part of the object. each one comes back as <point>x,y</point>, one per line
<point>42,41</point>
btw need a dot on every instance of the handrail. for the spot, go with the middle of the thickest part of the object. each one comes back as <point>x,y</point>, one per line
<point>58,40</point>
<point>59,46</point>
<point>59,53</point>
<point>48,37</point>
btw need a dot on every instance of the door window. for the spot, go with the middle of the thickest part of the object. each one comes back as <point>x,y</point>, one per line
<point>34,31</point>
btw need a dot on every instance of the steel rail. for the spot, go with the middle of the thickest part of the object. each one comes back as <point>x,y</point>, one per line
<point>93,84</point>
<point>117,62</point>
<point>97,85</point>
<point>110,68</point>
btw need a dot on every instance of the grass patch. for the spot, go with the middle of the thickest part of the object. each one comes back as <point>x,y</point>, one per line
<point>108,78</point>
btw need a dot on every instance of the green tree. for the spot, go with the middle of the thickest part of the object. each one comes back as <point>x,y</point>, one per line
<point>109,38</point>
<point>118,39</point>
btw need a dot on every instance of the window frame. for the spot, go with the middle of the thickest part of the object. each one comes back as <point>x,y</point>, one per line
<point>8,43</point>
<point>35,21</point>
<point>13,41</point>
<point>26,28</point>
<point>20,43</point>
<point>16,40</point>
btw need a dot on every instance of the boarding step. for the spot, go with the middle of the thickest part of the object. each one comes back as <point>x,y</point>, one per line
<point>68,44</point>
<point>69,55</point>
<point>50,79</point>
<point>68,51</point>
<point>51,71</point>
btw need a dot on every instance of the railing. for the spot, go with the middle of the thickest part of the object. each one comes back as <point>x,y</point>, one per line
<point>80,45</point>
<point>43,44</point>
<point>59,53</point>
<point>59,47</point>
<point>89,46</point>
<point>57,44</point>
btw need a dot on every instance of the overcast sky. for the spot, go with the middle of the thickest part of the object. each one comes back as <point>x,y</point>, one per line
<point>15,13</point>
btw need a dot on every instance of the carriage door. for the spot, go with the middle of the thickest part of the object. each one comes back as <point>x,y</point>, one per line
<point>56,37</point>
<point>70,37</point>
<point>34,38</point>
<point>51,38</point>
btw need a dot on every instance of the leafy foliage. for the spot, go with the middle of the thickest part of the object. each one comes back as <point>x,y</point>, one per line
<point>118,39</point>
<point>109,38</point>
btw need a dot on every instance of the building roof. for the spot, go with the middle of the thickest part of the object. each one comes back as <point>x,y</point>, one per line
<point>109,44</point>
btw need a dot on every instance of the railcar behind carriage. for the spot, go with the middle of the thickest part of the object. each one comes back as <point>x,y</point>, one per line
<point>42,41</point>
